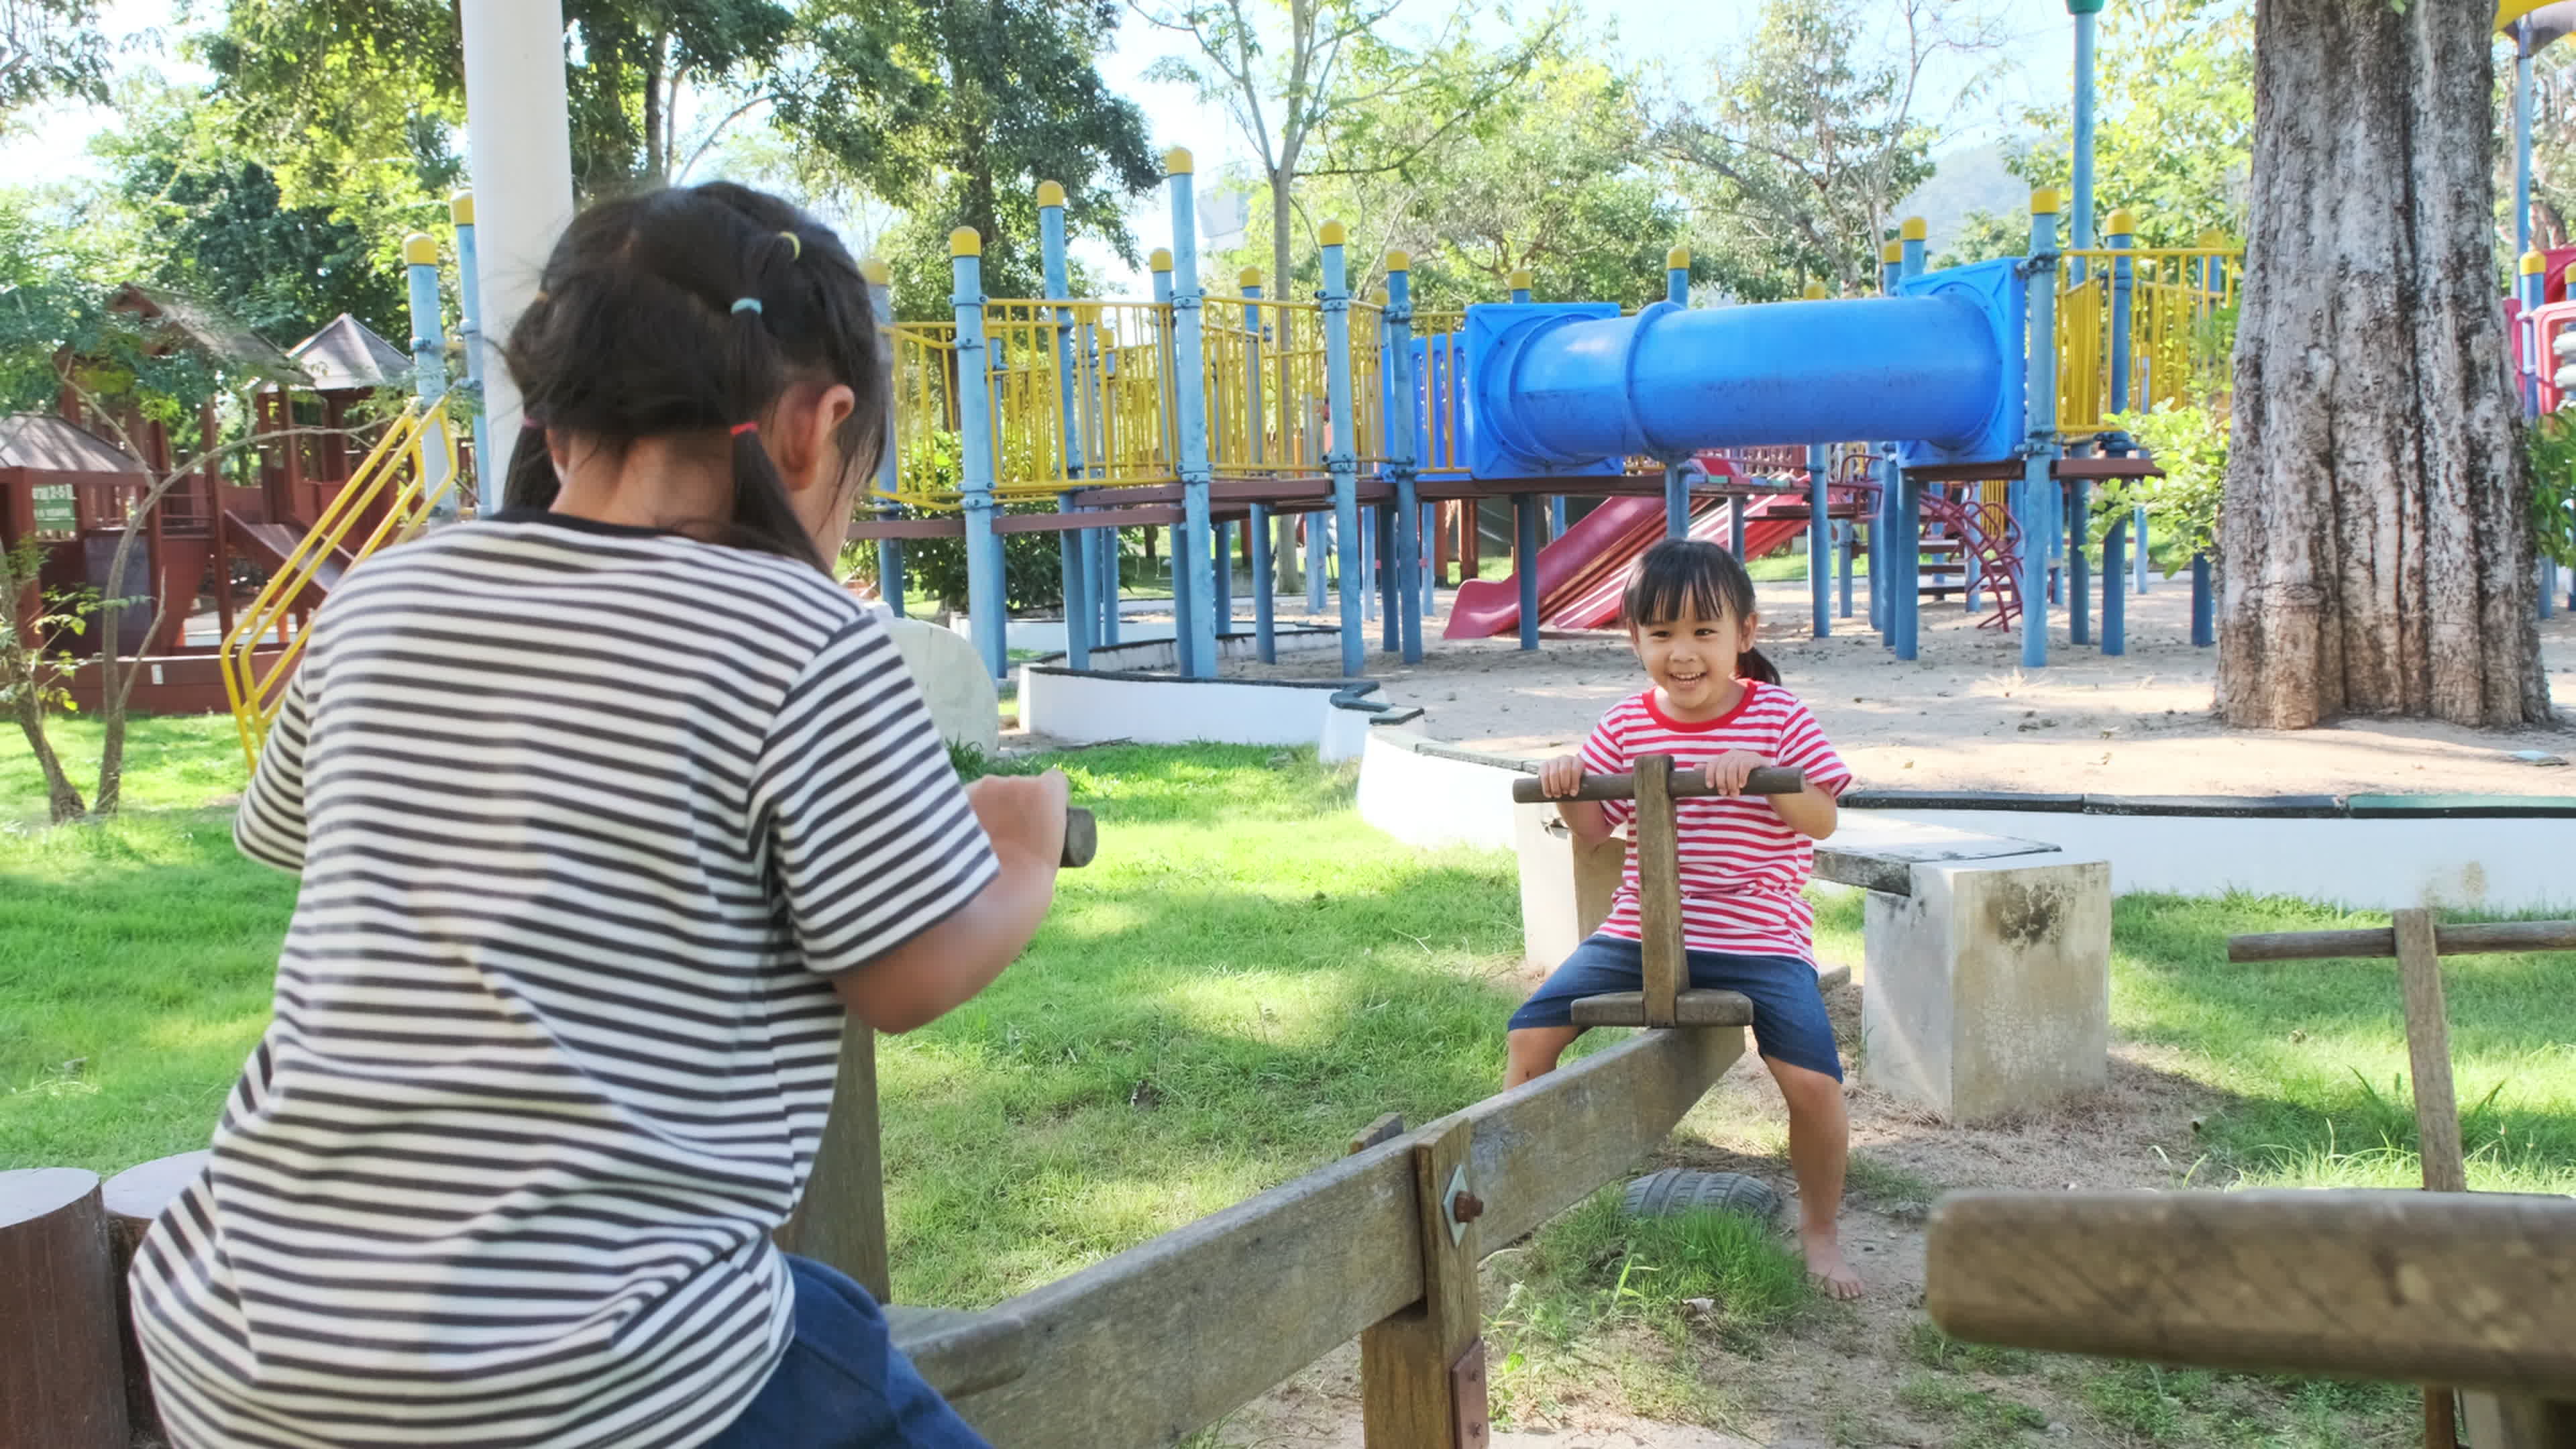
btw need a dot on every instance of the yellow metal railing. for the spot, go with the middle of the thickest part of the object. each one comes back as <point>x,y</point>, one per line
<point>2177,296</point>
<point>393,487</point>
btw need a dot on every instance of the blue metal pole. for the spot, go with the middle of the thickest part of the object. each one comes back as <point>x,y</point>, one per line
<point>986,603</point>
<point>489,471</point>
<point>1384,565</point>
<point>1403,467</point>
<point>2115,612</point>
<point>2040,407</point>
<point>1189,398</point>
<point>2081,230</point>
<point>429,366</point>
<point>2204,629</point>
<point>1907,595</point>
<point>1525,562</point>
<point>1070,543</point>
<point>2521,137</point>
<point>2531,287</point>
<point>2115,601</point>
<point>1882,518</point>
<point>1185,581</point>
<point>1265,641</point>
<point>1221,575</point>
<point>890,579</point>
<point>1677,501</point>
<point>1340,456</point>
<point>1820,542</point>
<point>2079,565</point>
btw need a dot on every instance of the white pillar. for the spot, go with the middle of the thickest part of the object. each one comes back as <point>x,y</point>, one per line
<point>519,149</point>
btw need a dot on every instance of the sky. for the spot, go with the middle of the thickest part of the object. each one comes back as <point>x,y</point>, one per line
<point>1681,34</point>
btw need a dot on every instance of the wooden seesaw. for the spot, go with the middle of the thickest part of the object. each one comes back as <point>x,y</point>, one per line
<point>2473,1291</point>
<point>1664,1002</point>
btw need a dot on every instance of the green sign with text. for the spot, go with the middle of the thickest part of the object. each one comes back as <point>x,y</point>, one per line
<point>57,515</point>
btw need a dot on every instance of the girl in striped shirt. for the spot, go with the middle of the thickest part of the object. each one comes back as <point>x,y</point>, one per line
<point>609,808</point>
<point>1714,704</point>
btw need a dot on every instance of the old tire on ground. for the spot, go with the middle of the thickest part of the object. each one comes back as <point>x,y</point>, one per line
<point>1677,1190</point>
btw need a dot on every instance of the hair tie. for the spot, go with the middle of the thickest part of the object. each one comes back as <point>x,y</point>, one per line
<point>741,428</point>
<point>531,423</point>
<point>795,246</point>
<point>746,304</point>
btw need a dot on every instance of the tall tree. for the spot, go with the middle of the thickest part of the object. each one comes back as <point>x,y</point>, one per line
<point>2375,551</point>
<point>203,217</point>
<point>956,110</point>
<point>1806,141</point>
<point>50,49</point>
<point>1555,175</point>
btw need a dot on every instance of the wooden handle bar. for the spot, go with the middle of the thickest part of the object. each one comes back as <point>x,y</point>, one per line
<point>2447,941</point>
<point>1528,791</point>
<point>1081,838</point>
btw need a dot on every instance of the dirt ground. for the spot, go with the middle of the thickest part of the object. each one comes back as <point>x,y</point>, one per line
<point>1965,715</point>
<point>1833,1384</point>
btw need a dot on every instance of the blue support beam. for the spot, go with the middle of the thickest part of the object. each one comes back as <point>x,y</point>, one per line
<point>1820,542</point>
<point>1073,544</point>
<point>2038,486</point>
<point>1404,465</point>
<point>1525,562</point>
<point>1265,633</point>
<point>891,583</point>
<point>986,603</point>
<point>1341,463</point>
<point>1195,547</point>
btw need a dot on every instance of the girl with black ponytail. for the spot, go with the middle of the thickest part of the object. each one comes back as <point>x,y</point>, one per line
<point>1714,704</point>
<point>608,808</point>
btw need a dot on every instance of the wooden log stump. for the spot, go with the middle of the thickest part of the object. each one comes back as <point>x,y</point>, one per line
<point>133,1199</point>
<point>60,1379</point>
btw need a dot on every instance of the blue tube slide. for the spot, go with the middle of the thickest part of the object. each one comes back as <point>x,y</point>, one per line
<point>1557,389</point>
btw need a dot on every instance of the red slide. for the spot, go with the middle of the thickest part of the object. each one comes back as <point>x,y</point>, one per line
<point>1582,575</point>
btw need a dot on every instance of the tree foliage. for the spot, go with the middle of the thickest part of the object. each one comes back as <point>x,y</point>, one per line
<point>202,217</point>
<point>1553,174</point>
<point>1800,147</point>
<point>49,50</point>
<point>2173,136</point>
<point>956,110</point>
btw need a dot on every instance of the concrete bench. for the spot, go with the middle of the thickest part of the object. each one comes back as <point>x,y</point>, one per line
<point>1985,966</point>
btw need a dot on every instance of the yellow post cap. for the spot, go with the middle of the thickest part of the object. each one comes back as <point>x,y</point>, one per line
<point>1677,260</point>
<point>1815,292</point>
<point>2122,222</point>
<point>1891,253</point>
<point>2533,264</point>
<point>1913,228</point>
<point>1050,193</point>
<point>2569,277</point>
<point>420,250</point>
<point>1178,162</point>
<point>2043,202</point>
<point>963,242</point>
<point>1399,261</point>
<point>1248,277</point>
<point>1521,280</point>
<point>875,271</point>
<point>1333,234</point>
<point>460,208</point>
<point>1161,260</point>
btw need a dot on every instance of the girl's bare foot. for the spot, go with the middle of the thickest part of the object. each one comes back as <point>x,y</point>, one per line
<point>1825,1265</point>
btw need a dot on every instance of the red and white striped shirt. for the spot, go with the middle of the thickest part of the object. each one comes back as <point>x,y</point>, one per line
<point>1743,869</point>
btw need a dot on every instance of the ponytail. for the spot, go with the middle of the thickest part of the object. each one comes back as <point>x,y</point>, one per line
<point>688,310</point>
<point>1753,664</point>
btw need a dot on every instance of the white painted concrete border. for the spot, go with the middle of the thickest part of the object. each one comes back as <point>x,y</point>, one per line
<point>1087,708</point>
<point>2369,864</point>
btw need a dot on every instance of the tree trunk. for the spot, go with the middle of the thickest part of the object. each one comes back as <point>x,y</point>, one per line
<point>2376,550</point>
<point>62,798</point>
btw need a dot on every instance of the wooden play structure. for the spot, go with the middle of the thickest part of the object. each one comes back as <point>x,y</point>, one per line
<point>2475,1292</point>
<point>233,556</point>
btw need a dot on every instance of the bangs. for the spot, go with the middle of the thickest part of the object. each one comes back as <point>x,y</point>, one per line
<point>1685,576</point>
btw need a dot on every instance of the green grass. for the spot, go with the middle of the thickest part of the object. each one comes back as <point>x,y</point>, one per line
<point>1247,975</point>
<point>2310,1056</point>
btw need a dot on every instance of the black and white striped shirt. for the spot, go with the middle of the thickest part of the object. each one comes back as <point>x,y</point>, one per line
<point>585,816</point>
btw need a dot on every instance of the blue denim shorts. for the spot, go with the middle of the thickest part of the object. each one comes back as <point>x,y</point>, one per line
<point>842,1384</point>
<point>1789,1022</point>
